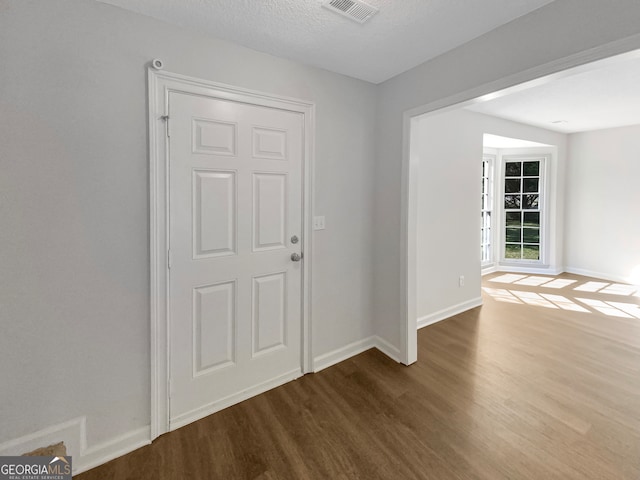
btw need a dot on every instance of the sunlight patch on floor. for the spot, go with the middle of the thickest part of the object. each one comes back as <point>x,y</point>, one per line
<point>502,295</point>
<point>567,301</point>
<point>508,278</point>
<point>564,303</point>
<point>620,289</point>
<point>603,307</point>
<point>533,281</point>
<point>532,298</point>
<point>591,286</point>
<point>559,283</point>
<point>630,308</point>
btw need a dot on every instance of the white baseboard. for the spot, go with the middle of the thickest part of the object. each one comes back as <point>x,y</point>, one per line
<point>71,432</point>
<point>340,354</point>
<point>448,312</point>
<point>213,407</point>
<point>343,353</point>
<point>488,270</point>
<point>531,270</point>
<point>600,275</point>
<point>389,350</point>
<point>114,448</point>
<point>74,435</point>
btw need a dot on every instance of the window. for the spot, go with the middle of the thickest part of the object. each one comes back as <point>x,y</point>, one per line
<point>486,250</point>
<point>522,208</point>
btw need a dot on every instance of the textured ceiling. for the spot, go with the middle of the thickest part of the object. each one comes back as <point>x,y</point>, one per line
<point>402,35</point>
<point>607,95</point>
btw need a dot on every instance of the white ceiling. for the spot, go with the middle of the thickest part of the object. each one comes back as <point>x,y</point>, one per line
<point>606,95</point>
<point>405,33</point>
<point>497,141</point>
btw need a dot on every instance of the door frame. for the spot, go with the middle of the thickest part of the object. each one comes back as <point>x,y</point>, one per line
<point>160,84</point>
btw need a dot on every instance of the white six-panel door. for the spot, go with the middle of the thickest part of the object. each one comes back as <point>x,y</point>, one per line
<point>235,202</point>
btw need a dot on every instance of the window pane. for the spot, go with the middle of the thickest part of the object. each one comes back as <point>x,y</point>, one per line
<point>530,185</point>
<point>512,251</point>
<point>530,201</point>
<point>512,201</point>
<point>531,169</point>
<point>531,235</point>
<point>522,216</point>
<point>531,252</point>
<point>512,185</point>
<point>531,219</point>
<point>513,219</point>
<point>514,235</point>
<point>512,169</point>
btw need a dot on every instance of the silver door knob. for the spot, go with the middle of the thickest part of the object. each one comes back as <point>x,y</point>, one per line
<point>296,257</point>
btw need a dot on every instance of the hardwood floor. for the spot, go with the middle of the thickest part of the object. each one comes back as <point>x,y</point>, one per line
<point>528,386</point>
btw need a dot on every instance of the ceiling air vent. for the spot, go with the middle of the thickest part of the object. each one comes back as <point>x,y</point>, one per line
<point>354,9</point>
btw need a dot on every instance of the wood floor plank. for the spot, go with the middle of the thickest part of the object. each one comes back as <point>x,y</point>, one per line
<point>538,383</point>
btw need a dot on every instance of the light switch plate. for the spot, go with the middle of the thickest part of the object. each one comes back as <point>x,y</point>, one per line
<point>318,223</point>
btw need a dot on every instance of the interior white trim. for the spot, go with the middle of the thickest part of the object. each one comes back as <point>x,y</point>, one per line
<point>74,435</point>
<point>160,83</point>
<point>114,448</point>
<point>409,188</point>
<point>548,270</point>
<point>343,353</point>
<point>72,432</point>
<point>600,275</point>
<point>408,351</point>
<point>355,348</point>
<point>389,350</point>
<point>446,313</point>
<point>213,407</point>
<point>488,269</point>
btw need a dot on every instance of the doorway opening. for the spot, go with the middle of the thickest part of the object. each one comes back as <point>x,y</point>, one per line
<point>477,207</point>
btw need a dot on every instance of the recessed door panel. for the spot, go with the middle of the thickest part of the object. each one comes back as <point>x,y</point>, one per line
<point>213,137</point>
<point>269,211</point>
<point>214,309</point>
<point>269,312</point>
<point>214,213</point>
<point>269,143</point>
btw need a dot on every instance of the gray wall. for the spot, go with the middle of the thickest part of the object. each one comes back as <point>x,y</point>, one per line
<point>553,32</point>
<point>448,148</point>
<point>74,289</point>
<point>602,228</point>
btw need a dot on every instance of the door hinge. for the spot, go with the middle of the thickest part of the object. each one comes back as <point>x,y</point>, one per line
<point>166,123</point>
<point>169,259</point>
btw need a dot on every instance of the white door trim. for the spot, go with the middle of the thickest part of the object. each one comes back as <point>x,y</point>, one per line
<point>409,185</point>
<point>160,83</point>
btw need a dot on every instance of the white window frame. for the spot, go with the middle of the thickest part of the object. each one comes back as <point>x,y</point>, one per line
<point>544,160</point>
<point>491,159</point>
